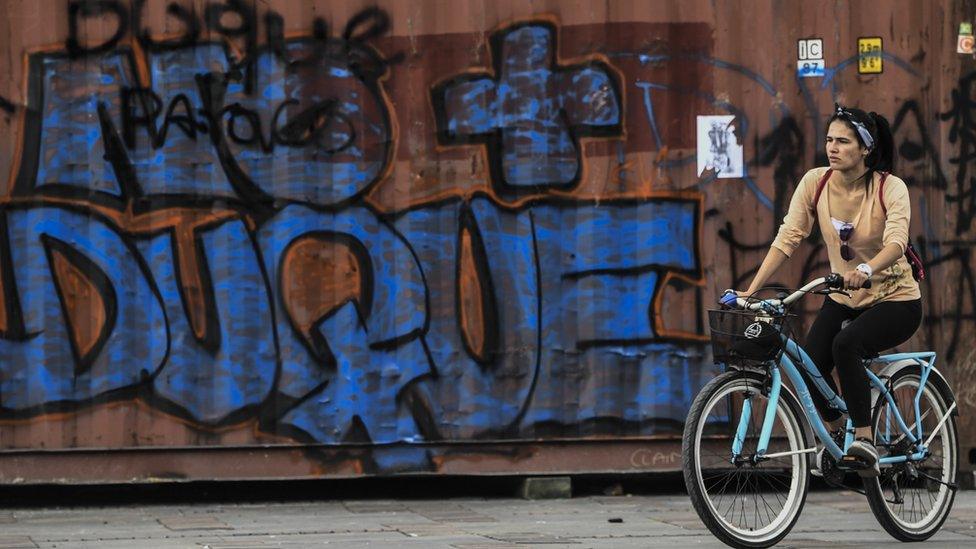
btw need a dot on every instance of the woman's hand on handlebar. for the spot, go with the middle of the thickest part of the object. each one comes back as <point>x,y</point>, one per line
<point>855,280</point>
<point>728,297</point>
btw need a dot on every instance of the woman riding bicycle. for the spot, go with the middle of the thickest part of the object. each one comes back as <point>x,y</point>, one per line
<point>866,235</point>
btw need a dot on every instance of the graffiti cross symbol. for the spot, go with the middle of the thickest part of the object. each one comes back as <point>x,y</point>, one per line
<point>531,111</point>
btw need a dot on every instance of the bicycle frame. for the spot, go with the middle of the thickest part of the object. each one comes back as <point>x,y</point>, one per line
<point>794,355</point>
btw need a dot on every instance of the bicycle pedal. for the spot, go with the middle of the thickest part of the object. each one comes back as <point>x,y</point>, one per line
<point>852,463</point>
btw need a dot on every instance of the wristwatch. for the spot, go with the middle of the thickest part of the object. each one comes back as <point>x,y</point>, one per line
<point>865,269</point>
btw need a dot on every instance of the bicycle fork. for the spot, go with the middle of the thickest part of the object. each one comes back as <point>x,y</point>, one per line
<point>768,418</point>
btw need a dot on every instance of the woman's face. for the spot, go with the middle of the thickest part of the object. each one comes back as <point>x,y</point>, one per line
<point>844,151</point>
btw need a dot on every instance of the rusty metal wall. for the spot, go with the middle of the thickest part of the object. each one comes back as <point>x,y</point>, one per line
<point>300,239</point>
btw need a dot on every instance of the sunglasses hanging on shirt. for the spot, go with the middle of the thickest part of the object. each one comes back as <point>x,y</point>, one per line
<point>845,234</point>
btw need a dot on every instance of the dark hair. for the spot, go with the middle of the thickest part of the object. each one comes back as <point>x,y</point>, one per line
<point>882,155</point>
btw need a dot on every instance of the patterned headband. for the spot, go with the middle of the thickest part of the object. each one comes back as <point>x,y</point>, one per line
<point>861,128</point>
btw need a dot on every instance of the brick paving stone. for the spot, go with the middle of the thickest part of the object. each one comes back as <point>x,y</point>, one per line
<point>238,544</point>
<point>680,520</point>
<point>813,544</point>
<point>198,522</point>
<point>370,507</point>
<point>453,514</point>
<point>967,530</point>
<point>495,545</point>
<point>121,544</point>
<point>532,538</point>
<point>426,529</point>
<point>17,542</point>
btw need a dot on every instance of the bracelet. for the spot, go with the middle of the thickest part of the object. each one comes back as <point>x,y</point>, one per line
<point>865,269</point>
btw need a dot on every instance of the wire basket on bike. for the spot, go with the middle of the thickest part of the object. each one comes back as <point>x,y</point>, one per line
<point>747,337</point>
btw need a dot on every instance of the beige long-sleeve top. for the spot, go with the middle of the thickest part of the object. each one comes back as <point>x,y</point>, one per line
<point>873,230</point>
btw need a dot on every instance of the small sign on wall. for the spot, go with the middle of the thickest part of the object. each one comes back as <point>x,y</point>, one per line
<point>810,61</point>
<point>965,42</point>
<point>869,60</point>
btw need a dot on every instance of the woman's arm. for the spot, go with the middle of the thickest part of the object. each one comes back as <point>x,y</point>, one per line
<point>773,261</point>
<point>895,238</point>
<point>886,257</point>
<point>855,279</point>
<point>796,226</point>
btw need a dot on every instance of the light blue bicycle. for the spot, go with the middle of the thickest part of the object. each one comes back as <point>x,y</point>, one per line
<point>750,440</point>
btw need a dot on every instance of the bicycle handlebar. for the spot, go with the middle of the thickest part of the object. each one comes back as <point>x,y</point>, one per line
<point>833,280</point>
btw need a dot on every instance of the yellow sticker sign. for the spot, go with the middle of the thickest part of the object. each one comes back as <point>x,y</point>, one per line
<point>869,55</point>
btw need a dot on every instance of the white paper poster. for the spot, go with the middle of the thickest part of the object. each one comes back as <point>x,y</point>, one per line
<point>718,147</point>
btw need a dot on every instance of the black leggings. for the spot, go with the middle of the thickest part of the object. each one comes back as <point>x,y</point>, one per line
<point>870,331</point>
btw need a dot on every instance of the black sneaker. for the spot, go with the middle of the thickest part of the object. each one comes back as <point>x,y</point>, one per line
<point>863,457</point>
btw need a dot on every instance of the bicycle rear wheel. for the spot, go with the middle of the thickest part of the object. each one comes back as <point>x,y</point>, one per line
<point>912,500</point>
<point>742,502</point>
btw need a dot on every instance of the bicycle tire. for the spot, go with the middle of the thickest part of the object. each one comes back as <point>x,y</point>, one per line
<point>889,513</point>
<point>789,416</point>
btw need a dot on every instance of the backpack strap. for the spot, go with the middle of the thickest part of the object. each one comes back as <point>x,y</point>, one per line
<point>914,260</point>
<point>820,188</point>
<point>884,175</point>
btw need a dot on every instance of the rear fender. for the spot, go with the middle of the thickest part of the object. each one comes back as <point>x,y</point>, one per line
<point>935,378</point>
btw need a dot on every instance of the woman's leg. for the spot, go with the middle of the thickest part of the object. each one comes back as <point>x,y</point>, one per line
<point>876,329</point>
<point>819,345</point>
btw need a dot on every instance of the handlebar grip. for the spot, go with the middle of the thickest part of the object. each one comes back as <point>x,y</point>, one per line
<point>835,280</point>
<point>728,298</point>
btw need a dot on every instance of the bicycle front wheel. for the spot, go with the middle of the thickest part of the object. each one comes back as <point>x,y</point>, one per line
<point>743,501</point>
<point>912,500</point>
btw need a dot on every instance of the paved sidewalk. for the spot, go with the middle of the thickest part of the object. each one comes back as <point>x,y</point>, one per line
<point>830,519</point>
